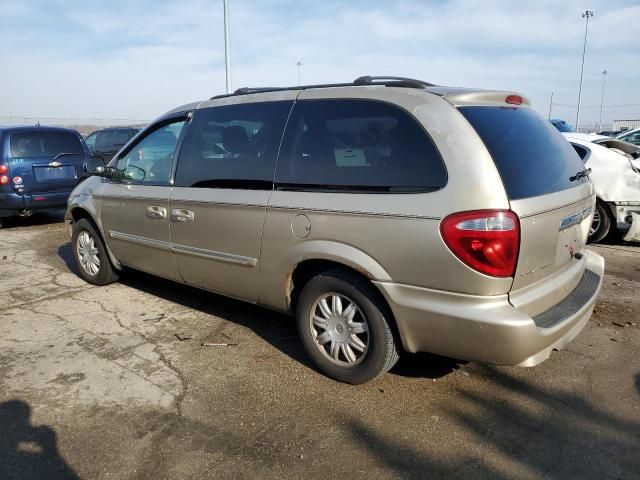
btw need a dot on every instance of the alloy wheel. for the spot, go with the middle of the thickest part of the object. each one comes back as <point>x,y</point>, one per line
<point>339,329</point>
<point>88,253</point>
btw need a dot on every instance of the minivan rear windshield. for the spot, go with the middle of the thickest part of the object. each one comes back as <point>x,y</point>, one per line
<point>533,158</point>
<point>44,144</point>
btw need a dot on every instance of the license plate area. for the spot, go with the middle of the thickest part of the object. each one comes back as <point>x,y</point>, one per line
<point>571,240</point>
<point>46,174</point>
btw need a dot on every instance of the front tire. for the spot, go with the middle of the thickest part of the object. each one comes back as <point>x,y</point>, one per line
<point>601,224</point>
<point>345,327</point>
<point>90,254</point>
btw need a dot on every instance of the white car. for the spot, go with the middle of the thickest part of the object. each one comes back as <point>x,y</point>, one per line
<point>630,136</point>
<point>615,173</point>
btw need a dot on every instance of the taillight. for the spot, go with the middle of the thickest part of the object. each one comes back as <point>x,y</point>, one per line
<point>485,240</point>
<point>4,177</point>
<point>514,100</point>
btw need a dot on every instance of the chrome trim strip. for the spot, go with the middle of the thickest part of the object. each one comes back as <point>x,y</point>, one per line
<point>147,242</point>
<point>554,208</point>
<point>213,255</point>
<point>185,249</point>
<point>351,212</point>
<point>205,203</point>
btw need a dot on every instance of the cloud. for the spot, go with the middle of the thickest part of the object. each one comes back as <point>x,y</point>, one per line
<point>123,59</point>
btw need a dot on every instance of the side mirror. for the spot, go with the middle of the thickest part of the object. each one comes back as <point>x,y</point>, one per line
<point>134,173</point>
<point>94,166</point>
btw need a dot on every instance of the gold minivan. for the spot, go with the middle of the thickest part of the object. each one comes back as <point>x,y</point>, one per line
<point>388,214</point>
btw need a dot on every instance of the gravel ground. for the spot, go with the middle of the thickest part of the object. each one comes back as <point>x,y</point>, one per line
<point>113,382</point>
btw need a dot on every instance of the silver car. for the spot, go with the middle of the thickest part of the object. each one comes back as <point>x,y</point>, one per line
<point>389,215</point>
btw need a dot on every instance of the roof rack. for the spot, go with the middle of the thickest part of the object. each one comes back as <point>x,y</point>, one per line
<point>395,81</point>
<point>385,81</point>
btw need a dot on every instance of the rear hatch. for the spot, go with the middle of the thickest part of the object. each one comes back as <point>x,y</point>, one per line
<point>554,202</point>
<point>46,160</point>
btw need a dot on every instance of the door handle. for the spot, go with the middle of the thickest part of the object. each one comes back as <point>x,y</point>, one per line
<point>182,215</point>
<point>156,212</point>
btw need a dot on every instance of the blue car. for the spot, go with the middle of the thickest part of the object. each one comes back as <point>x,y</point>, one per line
<point>39,167</point>
<point>562,125</point>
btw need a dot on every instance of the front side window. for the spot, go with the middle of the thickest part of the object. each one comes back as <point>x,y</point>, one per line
<point>357,145</point>
<point>44,144</point>
<point>232,146</point>
<point>150,160</point>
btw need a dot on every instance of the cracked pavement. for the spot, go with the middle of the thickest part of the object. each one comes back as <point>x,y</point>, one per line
<point>113,382</point>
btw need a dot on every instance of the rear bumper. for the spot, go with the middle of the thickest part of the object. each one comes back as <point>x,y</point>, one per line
<point>488,328</point>
<point>12,203</point>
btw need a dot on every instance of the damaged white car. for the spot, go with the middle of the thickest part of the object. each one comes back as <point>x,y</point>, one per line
<point>615,173</point>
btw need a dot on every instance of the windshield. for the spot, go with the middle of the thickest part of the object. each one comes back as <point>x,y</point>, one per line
<point>533,158</point>
<point>44,144</point>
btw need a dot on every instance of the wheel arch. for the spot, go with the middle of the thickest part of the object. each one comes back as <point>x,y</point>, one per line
<point>78,212</point>
<point>307,269</point>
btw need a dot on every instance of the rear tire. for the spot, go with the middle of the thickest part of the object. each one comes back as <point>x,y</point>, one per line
<point>601,225</point>
<point>90,254</point>
<point>345,327</point>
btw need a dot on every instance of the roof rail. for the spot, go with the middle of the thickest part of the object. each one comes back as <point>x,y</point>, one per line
<point>386,81</point>
<point>395,81</point>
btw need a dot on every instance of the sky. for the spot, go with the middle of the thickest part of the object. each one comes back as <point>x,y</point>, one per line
<point>136,59</point>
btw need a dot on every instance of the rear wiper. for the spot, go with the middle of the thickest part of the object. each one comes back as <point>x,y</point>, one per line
<point>62,155</point>
<point>579,175</point>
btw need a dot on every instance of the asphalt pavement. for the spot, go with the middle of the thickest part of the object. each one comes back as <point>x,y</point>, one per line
<point>114,382</point>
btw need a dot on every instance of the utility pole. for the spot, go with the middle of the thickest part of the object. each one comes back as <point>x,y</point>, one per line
<point>550,105</point>
<point>227,46</point>
<point>586,14</point>
<point>604,80</point>
<point>299,65</point>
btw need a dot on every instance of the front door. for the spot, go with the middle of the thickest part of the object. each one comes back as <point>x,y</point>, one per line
<point>135,203</point>
<point>223,183</point>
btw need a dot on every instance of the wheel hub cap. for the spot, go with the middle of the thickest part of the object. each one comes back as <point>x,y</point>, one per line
<point>339,329</point>
<point>88,253</point>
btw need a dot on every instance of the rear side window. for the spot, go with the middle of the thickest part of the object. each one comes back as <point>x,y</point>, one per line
<point>357,145</point>
<point>533,158</point>
<point>232,146</point>
<point>44,144</point>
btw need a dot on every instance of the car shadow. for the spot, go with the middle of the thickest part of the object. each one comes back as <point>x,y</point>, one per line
<point>522,430</point>
<point>66,255</point>
<point>276,328</point>
<point>425,365</point>
<point>38,218</point>
<point>29,452</point>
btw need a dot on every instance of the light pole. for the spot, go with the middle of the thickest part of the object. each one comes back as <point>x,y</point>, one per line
<point>227,46</point>
<point>587,14</point>
<point>299,65</point>
<point>604,80</point>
